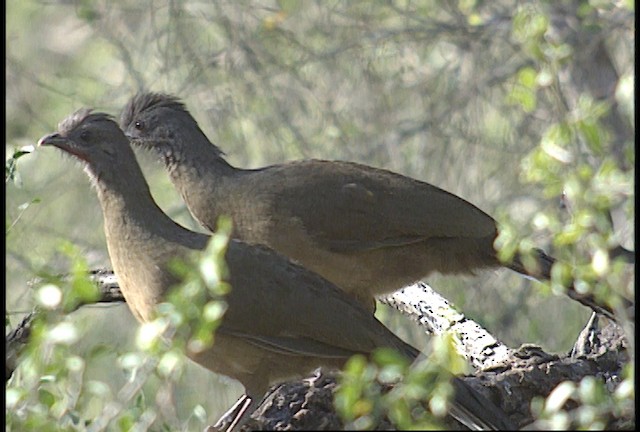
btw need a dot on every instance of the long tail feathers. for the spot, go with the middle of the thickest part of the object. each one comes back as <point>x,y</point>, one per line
<point>475,411</point>
<point>543,272</point>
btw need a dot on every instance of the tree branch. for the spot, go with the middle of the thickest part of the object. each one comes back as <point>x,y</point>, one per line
<point>510,378</point>
<point>436,315</point>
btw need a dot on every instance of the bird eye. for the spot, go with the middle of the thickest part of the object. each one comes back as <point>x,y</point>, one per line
<point>84,135</point>
<point>139,125</point>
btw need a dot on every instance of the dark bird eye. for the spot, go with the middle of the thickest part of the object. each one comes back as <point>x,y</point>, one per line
<point>84,135</point>
<point>139,125</point>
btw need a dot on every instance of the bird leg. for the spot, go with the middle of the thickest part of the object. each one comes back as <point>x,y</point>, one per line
<point>241,412</point>
<point>231,419</point>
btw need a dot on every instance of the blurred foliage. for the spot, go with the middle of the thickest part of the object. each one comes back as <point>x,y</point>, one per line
<point>418,397</point>
<point>595,404</point>
<point>11,165</point>
<point>193,308</point>
<point>505,103</point>
<point>575,165</point>
<point>49,390</point>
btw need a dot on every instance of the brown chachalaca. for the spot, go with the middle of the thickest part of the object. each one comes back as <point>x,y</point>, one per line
<point>367,230</point>
<point>281,321</point>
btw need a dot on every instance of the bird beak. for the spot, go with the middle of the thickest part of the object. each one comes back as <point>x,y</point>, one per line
<point>64,144</point>
<point>133,139</point>
<point>54,139</point>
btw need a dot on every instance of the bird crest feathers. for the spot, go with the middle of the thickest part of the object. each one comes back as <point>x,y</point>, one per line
<point>144,101</point>
<point>80,116</point>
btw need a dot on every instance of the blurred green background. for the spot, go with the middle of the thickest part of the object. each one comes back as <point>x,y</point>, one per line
<point>452,93</point>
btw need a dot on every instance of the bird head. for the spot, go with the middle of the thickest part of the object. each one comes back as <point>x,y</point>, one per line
<point>161,122</point>
<point>94,139</point>
<point>151,120</point>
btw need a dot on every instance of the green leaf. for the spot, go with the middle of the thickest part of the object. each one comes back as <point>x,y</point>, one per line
<point>592,136</point>
<point>527,77</point>
<point>46,397</point>
<point>11,164</point>
<point>523,97</point>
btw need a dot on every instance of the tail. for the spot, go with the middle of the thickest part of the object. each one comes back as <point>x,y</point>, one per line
<point>544,263</point>
<point>468,406</point>
<point>543,272</point>
<point>476,411</point>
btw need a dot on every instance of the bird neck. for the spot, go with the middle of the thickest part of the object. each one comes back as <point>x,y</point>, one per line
<point>196,162</point>
<point>128,207</point>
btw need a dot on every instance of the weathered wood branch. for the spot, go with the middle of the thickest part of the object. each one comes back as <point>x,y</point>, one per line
<point>528,373</point>
<point>436,315</point>
<point>510,378</point>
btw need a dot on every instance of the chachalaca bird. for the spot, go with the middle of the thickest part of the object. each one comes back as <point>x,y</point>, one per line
<point>281,321</point>
<point>367,230</point>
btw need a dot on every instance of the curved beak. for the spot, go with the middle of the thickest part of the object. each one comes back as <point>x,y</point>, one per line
<point>54,139</point>
<point>64,144</point>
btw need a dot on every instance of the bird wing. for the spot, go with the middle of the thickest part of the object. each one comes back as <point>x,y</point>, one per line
<point>284,307</point>
<point>277,305</point>
<point>350,207</point>
<point>290,345</point>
